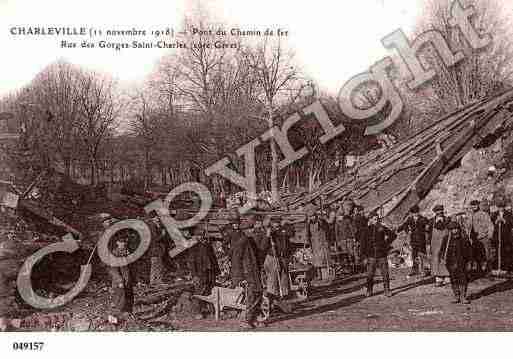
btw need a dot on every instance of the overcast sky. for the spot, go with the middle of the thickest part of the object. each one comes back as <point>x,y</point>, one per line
<point>333,40</point>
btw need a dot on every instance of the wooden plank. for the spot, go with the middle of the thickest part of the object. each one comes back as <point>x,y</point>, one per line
<point>414,146</point>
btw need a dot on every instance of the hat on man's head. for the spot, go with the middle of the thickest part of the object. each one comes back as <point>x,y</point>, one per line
<point>438,208</point>
<point>415,209</point>
<point>474,202</point>
<point>236,215</point>
<point>500,202</point>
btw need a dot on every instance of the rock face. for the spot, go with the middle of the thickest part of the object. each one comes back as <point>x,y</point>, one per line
<point>477,161</point>
<point>472,180</point>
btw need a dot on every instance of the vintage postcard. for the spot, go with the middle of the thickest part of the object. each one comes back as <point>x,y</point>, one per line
<point>237,166</point>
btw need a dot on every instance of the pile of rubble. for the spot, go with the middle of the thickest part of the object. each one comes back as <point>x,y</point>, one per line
<point>483,174</point>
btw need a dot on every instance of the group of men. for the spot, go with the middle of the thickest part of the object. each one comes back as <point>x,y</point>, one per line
<point>265,249</point>
<point>258,255</point>
<point>457,247</point>
<point>345,236</point>
<point>467,243</point>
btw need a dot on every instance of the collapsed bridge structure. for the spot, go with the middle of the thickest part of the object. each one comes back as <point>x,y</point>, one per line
<point>391,179</point>
<point>397,178</point>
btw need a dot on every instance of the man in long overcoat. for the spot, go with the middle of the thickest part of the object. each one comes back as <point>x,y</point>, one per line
<point>345,231</point>
<point>437,232</point>
<point>502,241</point>
<point>122,281</point>
<point>456,253</point>
<point>204,269</point>
<point>479,229</point>
<point>317,231</point>
<point>245,272</point>
<point>278,252</point>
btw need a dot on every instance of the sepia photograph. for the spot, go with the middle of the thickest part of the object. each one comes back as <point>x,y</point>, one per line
<point>275,166</point>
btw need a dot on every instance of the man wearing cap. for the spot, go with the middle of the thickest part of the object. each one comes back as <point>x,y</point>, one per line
<point>204,269</point>
<point>502,241</point>
<point>245,271</point>
<point>121,277</point>
<point>456,253</point>
<point>375,249</point>
<point>258,234</point>
<point>437,232</point>
<point>417,227</point>
<point>479,229</point>
<point>345,230</point>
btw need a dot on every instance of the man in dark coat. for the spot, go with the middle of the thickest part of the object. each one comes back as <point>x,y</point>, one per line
<point>417,227</point>
<point>479,229</point>
<point>456,253</point>
<point>375,250</point>
<point>245,272</point>
<point>316,232</point>
<point>345,231</point>
<point>121,279</point>
<point>258,234</point>
<point>330,218</point>
<point>204,270</point>
<point>502,241</point>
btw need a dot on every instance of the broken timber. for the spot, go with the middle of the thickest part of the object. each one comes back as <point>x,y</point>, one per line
<point>392,180</point>
<point>395,180</point>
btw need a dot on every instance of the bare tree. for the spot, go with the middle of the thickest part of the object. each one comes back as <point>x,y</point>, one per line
<point>100,108</point>
<point>483,72</point>
<point>280,84</point>
<point>147,124</point>
<point>48,109</point>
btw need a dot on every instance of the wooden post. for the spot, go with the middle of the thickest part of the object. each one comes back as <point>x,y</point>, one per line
<point>217,304</point>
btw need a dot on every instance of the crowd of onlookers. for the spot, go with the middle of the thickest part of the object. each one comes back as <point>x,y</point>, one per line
<point>343,238</point>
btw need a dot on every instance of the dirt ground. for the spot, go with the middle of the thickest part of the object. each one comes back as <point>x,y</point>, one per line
<point>415,306</point>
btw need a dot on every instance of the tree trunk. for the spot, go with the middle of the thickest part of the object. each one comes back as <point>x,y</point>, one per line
<point>67,167</point>
<point>275,191</point>
<point>164,175</point>
<point>147,169</point>
<point>93,171</point>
